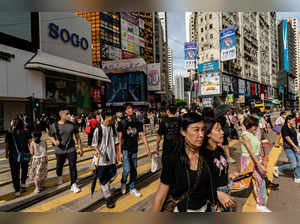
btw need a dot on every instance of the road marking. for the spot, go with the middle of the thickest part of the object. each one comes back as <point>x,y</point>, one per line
<point>55,203</point>
<point>250,204</point>
<point>129,200</point>
<point>52,182</point>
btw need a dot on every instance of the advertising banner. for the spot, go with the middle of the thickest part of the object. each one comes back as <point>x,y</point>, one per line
<point>124,28</point>
<point>130,38</point>
<point>210,84</point>
<point>136,30</point>
<point>207,102</point>
<point>142,42</point>
<point>124,45</point>
<point>228,43</point>
<point>122,66</point>
<point>127,55</point>
<point>209,66</point>
<point>153,80</point>
<point>110,52</point>
<point>291,85</point>
<point>136,49</point>
<point>248,88</point>
<point>242,87</point>
<point>129,18</point>
<point>229,98</point>
<point>190,54</point>
<point>131,47</point>
<point>226,83</point>
<point>285,45</point>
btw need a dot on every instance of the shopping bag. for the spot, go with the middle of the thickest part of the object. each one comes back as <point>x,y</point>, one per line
<point>154,163</point>
<point>88,130</point>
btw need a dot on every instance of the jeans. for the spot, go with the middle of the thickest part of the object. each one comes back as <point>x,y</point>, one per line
<point>60,161</point>
<point>15,172</point>
<point>129,166</point>
<point>294,159</point>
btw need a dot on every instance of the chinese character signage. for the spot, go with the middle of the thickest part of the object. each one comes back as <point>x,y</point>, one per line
<point>154,81</point>
<point>228,42</point>
<point>210,84</point>
<point>209,66</point>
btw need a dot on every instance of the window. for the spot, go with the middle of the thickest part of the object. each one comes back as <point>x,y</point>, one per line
<point>210,16</point>
<point>201,20</point>
<point>210,26</point>
<point>202,39</point>
<point>205,17</point>
<point>201,30</point>
<point>205,27</point>
<point>210,46</point>
<point>211,36</point>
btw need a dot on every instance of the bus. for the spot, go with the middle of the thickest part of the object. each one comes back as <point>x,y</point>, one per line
<point>262,104</point>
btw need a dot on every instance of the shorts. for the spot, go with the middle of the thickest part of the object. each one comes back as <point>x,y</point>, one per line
<point>106,173</point>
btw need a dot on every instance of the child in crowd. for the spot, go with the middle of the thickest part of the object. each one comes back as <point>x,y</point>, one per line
<point>39,164</point>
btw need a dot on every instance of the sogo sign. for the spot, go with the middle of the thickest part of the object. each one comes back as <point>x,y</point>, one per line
<point>66,36</point>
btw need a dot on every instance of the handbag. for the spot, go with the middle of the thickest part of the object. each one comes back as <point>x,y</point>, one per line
<point>88,129</point>
<point>171,203</point>
<point>23,157</point>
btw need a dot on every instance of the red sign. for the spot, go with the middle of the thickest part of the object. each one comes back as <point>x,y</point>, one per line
<point>252,89</point>
<point>127,55</point>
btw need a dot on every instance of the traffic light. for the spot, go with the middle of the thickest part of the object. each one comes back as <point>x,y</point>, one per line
<point>37,103</point>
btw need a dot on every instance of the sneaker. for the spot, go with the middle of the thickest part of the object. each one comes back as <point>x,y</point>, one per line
<point>36,191</point>
<point>262,208</point>
<point>110,203</point>
<point>231,160</point>
<point>123,188</point>
<point>135,192</point>
<point>75,188</point>
<point>59,180</point>
<point>23,186</point>
<point>297,180</point>
<point>277,172</point>
<point>18,194</point>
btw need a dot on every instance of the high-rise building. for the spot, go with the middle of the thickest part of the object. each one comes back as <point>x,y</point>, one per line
<point>256,63</point>
<point>287,60</point>
<point>170,68</point>
<point>179,87</point>
<point>297,80</point>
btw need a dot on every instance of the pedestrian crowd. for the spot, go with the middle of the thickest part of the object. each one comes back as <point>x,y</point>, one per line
<point>195,156</point>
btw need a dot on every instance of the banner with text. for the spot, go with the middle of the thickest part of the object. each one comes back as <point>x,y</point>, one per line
<point>228,43</point>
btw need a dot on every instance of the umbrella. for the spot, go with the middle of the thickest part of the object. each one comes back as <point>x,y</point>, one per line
<point>95,177</point>
<point>221,110</point>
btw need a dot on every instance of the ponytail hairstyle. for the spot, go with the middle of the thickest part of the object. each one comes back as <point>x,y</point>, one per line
<point>37,134</point>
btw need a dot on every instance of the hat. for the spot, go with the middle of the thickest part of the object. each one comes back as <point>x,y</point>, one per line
<point>221,110</point>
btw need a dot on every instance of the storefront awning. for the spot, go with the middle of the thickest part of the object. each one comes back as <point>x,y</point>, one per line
<point>44,61</point>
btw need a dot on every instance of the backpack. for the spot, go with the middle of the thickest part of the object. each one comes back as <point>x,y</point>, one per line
<point>172,128</point>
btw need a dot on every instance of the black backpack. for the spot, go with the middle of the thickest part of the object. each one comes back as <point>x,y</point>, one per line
<point>172,128</point>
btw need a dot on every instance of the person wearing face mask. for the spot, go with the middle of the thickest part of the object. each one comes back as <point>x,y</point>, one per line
<point>187,182</point>
<point>61,135</point>
<point>252,161</point>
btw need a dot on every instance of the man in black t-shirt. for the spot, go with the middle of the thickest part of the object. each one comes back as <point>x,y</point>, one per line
<point>170,129</point>
<point>129,130</point>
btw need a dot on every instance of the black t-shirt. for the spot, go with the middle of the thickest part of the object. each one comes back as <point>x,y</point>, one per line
<point>286,131</point>
<point>220,169</point>
<point>170,129</point>
<point>22,141</point>
<point>174,175</point>
<point>130,129</point>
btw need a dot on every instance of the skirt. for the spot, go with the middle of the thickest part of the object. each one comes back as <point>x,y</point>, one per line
<point>39,169</point>
<point>277,129</point>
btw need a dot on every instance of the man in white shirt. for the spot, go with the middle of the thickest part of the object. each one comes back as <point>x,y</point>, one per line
<point>105,143</point>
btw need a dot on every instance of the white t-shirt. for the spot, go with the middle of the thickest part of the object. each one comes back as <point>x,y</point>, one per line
<point>107,148</point>
<point>280,121</point>
<point>298,138</point>
<point>40,150</point>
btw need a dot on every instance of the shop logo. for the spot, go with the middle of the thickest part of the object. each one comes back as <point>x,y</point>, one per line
<point>67,37</point>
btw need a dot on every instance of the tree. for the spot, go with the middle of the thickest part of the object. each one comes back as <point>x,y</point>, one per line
<point>180,103</point>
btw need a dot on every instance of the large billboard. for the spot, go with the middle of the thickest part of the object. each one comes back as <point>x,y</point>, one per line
<point>190,54</point>
<point>110,52</point>
<point>285,45</point>
<point>210,84</point>
<point>228,44</point>
<point>208,66</point>
<point>153,80</point>
<point>127,87</point>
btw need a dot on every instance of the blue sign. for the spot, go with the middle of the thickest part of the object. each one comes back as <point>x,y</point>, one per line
<point>209,66</point>
<point>285,45</point>
<point>66,36</point>
<point>228,43</point>
<point>190,54</point>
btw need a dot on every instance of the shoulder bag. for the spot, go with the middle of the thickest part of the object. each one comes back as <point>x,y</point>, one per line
<point>23,157</point>
<point>171,203</point>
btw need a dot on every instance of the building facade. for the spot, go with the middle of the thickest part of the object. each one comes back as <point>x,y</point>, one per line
<point>256,64</point>
<point>170,69</point>
<point>179,87</point>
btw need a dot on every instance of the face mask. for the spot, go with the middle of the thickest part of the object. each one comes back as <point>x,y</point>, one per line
<point>258,117</point>
<point>68,117</point>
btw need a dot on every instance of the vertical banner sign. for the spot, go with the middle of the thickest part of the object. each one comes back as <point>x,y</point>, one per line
<point>228,44</point>
<point>242,87</point>
<point>285,45</point>
<point>190,54</point>
<point>154,81</point>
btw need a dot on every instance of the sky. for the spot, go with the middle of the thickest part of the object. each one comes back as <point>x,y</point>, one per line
<point>177,36</point>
